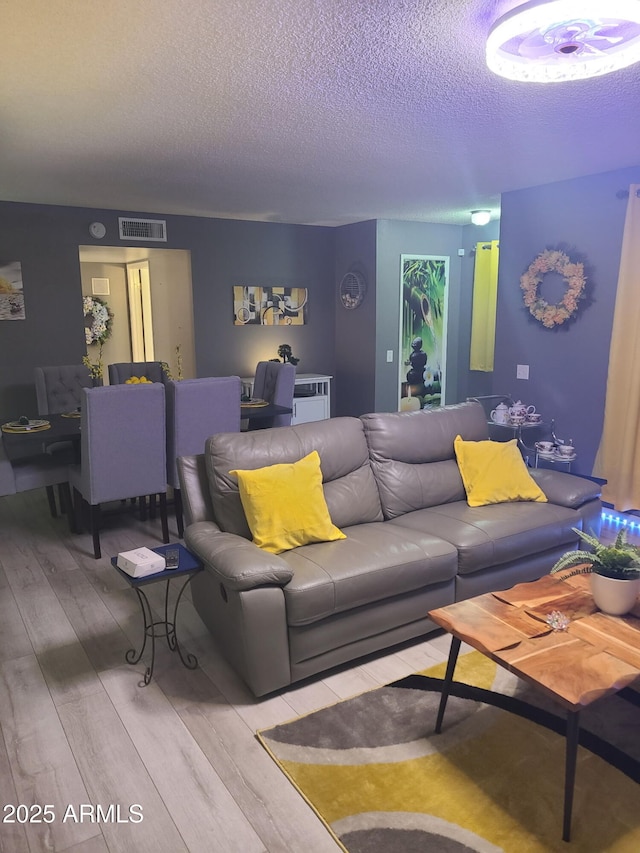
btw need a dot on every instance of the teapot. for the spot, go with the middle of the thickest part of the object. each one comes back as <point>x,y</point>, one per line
<point>500,415</point>
<point>519,412</point>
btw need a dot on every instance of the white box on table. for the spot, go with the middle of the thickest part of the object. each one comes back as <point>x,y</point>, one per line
<point>141,562</point>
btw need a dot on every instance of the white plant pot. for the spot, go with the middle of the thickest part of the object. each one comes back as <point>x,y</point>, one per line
<point>614,596</point>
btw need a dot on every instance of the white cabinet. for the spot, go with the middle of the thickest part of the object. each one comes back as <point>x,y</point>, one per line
<point>312,398</point>
<point>306,409</point>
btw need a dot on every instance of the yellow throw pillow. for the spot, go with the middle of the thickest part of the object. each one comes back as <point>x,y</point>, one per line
<point>494,472</point>
<point>285,506</point>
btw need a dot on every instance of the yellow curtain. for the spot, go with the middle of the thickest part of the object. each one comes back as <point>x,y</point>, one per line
<point>618,457</point>
<point>483,317</point>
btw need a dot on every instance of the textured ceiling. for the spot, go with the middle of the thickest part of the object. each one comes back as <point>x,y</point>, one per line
<point>305,111</point>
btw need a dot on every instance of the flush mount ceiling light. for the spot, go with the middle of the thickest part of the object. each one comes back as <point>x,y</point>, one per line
<point>547,42</point>
<point>480,217</point>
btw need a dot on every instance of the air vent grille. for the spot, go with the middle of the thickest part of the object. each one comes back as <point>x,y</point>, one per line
<point>154,230</point>
<point>100,286</point>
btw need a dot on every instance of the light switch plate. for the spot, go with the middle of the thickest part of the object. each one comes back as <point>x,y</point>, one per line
<point>389,356</point>
<point>522,371</point>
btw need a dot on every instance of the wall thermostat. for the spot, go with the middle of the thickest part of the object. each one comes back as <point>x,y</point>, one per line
<point>97,230</point>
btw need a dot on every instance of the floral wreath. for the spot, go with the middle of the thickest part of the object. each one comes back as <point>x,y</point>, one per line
<point>553,260</point>
<point>99,329</point>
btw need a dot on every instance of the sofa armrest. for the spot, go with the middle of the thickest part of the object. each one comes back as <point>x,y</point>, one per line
<point>194,486</point>
<point>240,564</point>
<point>566,489</point>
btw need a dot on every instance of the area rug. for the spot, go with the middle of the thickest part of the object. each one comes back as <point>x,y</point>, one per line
<point>383,782</point>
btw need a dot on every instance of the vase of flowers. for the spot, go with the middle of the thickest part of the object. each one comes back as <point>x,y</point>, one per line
<point>614,570</point>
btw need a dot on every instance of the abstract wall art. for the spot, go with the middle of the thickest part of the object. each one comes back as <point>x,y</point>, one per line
<point>269,306</point>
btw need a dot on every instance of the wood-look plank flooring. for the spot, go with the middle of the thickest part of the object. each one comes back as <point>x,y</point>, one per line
<point>78,730</point>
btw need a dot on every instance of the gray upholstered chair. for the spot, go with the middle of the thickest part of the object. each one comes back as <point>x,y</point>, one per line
<point>120,372</point>
<point>59,388</point>
<point>34,472</point>
<point>123,451</point>
<point>196,409</point>
<point>274,381</point>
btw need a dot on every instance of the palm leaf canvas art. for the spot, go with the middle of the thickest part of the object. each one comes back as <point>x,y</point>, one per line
<point>423,326</point>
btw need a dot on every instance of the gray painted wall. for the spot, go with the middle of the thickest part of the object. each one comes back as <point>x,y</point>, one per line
<point>45,239</point>
<point>225,253</point>
<point>354,385</point>
<point>568,364</point>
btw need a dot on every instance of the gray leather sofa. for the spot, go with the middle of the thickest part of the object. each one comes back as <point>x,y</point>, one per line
<point>392,484</point>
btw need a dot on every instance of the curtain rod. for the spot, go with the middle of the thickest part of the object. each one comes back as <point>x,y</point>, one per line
<point>625,194</point>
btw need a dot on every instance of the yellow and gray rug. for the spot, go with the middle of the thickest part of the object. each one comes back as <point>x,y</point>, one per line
<point>383,782</point>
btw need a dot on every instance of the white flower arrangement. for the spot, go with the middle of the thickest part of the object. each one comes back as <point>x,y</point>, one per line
<point>99,329</point>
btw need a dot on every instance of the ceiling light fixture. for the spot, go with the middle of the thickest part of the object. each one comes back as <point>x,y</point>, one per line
<point>557,40</point>
<point>480,217</point>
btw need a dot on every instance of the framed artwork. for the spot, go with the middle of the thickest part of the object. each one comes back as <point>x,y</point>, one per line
<point>423,330</point>
<point>270,306</point>
<point>11,292</point>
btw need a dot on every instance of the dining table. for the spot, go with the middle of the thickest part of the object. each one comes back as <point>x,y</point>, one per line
<point>20,445</point>
<point>261,416</point>
<point>65,426</point>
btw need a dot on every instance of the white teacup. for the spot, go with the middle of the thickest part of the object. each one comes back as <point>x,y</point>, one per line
<point>534,418</point>
<point>565,449</point>
<point>545,446</point>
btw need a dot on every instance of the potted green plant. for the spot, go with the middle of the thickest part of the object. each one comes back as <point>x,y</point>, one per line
<point>614,569</point>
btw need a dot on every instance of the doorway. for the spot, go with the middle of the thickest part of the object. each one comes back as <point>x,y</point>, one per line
<point>154,315</point>
<point>140,311</point>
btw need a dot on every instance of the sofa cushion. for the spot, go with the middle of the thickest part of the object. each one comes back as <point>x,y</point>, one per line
<point>285,506</point>
<point>412,454</point>
<point>496,534</point>
<point>376,561</point>
<point>349,487</point>
<point>494,472</point>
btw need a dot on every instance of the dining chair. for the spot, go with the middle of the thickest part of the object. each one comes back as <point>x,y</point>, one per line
<point>274,381</point>
<point>34,472</point>
<point>122,452</point>
<point>196,409</point>
<point>120,372</point>
<point>58,390</point>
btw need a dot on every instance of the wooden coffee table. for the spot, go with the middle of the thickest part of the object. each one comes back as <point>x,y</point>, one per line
<point>595,656</point>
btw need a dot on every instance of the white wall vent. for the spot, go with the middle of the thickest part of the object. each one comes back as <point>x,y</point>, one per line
<point>100,286</point>
<point>154,230</point>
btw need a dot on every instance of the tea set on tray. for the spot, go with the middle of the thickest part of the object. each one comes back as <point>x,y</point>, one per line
<point>516,415</point>
<point>521,415</point>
